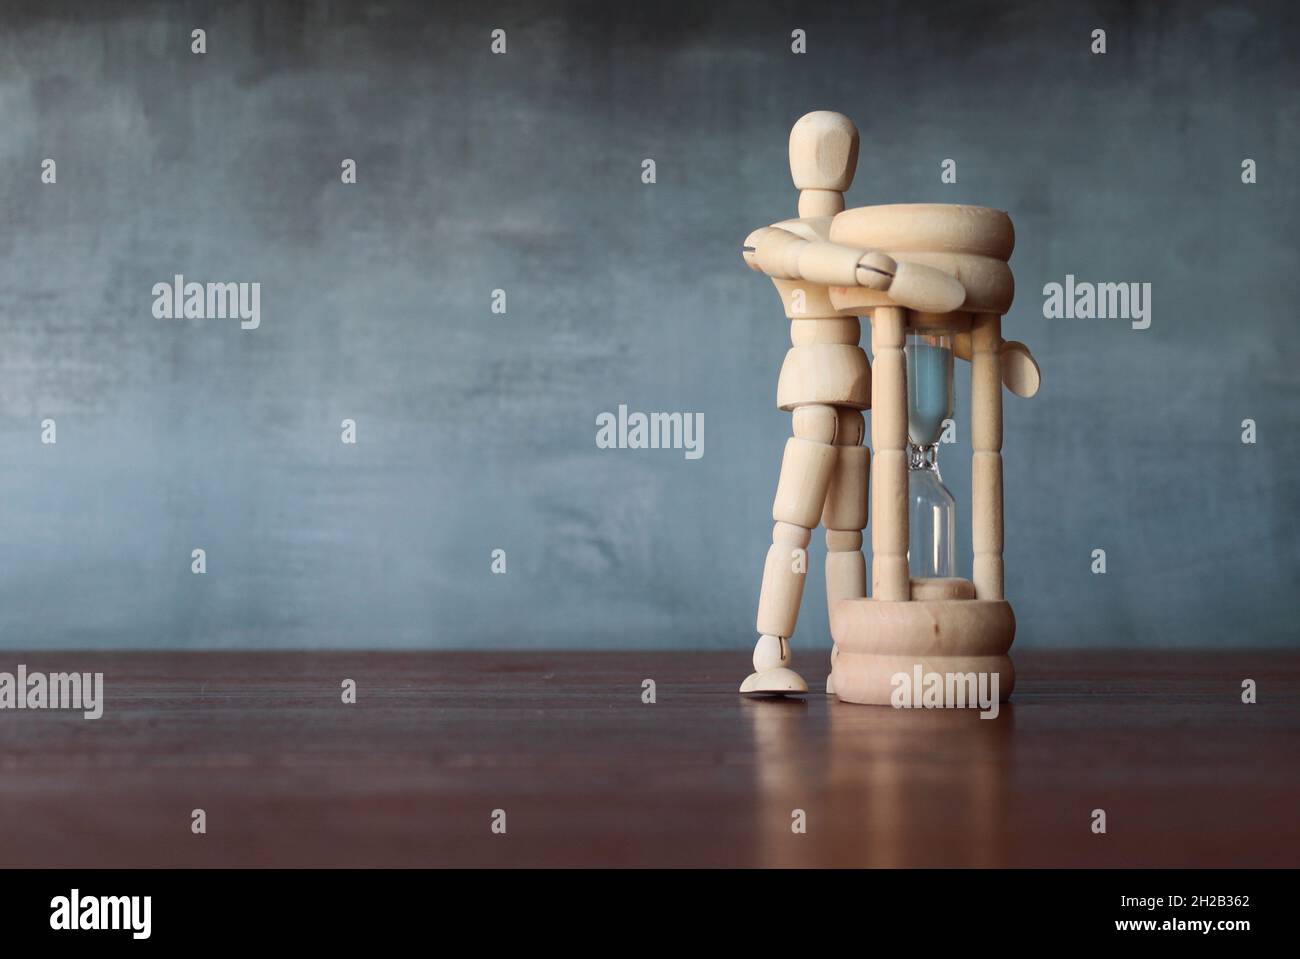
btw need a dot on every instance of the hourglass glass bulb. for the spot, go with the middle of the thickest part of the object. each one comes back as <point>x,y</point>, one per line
<point>932,511</point>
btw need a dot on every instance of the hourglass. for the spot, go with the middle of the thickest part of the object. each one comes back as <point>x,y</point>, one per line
<point>922,619</point>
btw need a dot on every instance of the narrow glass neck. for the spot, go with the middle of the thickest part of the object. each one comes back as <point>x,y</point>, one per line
<point>923,457</point>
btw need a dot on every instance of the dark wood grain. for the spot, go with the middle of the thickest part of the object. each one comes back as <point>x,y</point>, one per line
<point>589,775</point>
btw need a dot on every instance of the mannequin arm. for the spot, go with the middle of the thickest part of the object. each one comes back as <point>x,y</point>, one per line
<point>782,255</point>
<point>1020,373</point>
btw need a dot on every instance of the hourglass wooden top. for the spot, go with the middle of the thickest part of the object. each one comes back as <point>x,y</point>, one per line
<point>929,227</point>
<point>972,243</point>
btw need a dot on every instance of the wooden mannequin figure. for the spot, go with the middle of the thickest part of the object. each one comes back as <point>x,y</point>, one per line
<point>944,266</point>
<point>826,383</point>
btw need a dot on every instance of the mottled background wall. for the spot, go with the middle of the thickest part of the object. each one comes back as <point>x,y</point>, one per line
<point>522,172</point>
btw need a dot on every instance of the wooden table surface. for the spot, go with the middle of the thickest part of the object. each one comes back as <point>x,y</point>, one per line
<point>588,774</point>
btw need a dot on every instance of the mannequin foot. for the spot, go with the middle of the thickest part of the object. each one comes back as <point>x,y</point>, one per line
<point>772,675</point>
<point>830,677</point>
<point>777,681</point>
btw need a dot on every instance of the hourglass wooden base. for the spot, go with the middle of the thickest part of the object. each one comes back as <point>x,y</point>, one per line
<point>884,644</point>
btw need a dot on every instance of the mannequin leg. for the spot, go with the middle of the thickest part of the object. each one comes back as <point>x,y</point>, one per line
<point>800,498</point>
<point>845,516</point>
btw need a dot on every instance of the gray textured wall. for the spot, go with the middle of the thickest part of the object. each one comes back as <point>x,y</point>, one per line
<point>522,172</point>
